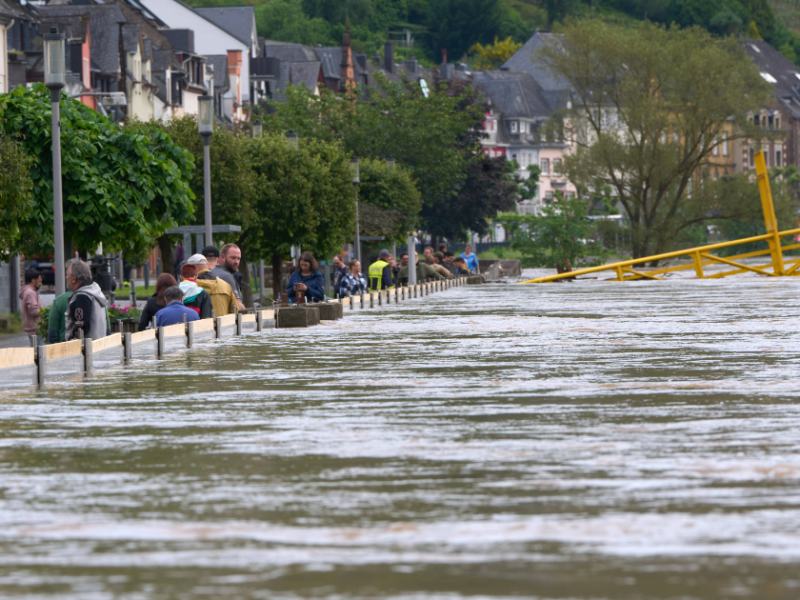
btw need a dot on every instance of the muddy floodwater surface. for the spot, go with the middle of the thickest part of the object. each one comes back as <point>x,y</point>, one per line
<point>588,440</point>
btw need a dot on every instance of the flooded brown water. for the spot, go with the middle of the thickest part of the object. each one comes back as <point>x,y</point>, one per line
<point>583,440</point>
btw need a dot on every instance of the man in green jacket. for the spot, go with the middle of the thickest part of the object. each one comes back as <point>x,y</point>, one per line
<point>424,273</point>
<point>57,322</point>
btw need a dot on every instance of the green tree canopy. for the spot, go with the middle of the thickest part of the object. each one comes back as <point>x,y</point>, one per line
<point>650,106</point>
<point>122,187</point>
<point>389,202</point>
<point>303,197</point>
<point>232,178</point>
<point>556,238</point>
<point>16,198</point>
<point>434,137</point>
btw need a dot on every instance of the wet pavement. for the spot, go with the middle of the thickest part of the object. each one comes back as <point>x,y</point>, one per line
<point>583,440</point>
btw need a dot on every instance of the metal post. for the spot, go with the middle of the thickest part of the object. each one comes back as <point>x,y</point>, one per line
<point>14,283</point>
<point>58,203</point>
<point>358,229</point>
<point>88,357</point>
<point>412,264</point>
<point>207,182</point>
<point>161,342</point>
<point>126,340</point>
<point>327,274</point>
<point>41,356</point>
<point>261,281</point>
<point>147,273</point>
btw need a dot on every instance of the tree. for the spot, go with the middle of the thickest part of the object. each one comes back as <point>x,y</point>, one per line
<point>752,31</point>
<point>650,104</point>
<point>232,179</point>
<point>121,187</point>
<point>488,189</point>
<point>556,238</point>
<point>434,137</point>
<point>389,202</point>
<point>788,51</point>
<point>16,198</point>
<point>455,25</point>
<point>285,20</point>
<point>558,10</point>
<point>302,197</point>
<point>493,56</point>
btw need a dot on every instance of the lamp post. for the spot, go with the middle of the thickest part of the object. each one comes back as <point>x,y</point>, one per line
<point>205,125</point>
<point>55,76</point>
<point>356,181</point>
<point>292,140</point>
<point>258,129</point>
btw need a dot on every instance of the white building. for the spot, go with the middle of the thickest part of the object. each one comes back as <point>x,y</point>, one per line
<point>228,31</point>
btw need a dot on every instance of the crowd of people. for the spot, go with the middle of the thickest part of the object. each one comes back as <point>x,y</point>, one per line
<point>386,273</point>
<point>211,285</point>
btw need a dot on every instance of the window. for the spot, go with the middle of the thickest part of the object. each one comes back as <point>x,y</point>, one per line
<point>545,165</point>
<point>777,122</point>
<point>514,126</point>
<point>752,158</point>
<point>778,158</point>
<point>548,197</point>
<point>755,120</point>
<point>724,143</point>
<point>715,151</point>
<point>556,166</point>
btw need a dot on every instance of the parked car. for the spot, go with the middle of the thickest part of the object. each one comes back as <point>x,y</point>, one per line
<point>46,266</point>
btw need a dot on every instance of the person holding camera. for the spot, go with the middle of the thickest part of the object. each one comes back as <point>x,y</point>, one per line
<point>307,282</point>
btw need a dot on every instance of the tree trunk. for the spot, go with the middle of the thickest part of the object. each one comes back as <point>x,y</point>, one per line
<point>277,264</point>
<point>167,255</point>
<point>247,288</point>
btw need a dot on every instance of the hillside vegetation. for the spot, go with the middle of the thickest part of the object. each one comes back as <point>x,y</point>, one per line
<point>457,25</point>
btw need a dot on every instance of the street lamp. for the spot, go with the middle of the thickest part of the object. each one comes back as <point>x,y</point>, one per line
<point>390,162</point>
<point>356,181</point>
<point>55,77</point>
<point>205,125</point>
<point>291,140</point>
<point>258,129</point>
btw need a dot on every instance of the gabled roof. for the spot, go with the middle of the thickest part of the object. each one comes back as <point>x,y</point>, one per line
<point>131,36</point>
<point>104,20</point>
<point>239,21</point>
<point>782,73</point>
<point>12,10</point>
<point>515,95</point>
<point>287,52</point>
<point>522,62</point>
<point>220,64</point>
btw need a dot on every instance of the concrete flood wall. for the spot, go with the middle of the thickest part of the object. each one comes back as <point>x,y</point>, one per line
<point>21,367</point>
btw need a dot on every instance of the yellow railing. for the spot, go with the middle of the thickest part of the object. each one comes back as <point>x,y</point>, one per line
<point>702,257</point>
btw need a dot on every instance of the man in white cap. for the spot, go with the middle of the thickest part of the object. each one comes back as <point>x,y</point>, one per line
<point>222,299</point>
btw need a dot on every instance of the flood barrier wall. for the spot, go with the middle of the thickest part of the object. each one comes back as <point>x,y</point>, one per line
<point>47,363</point>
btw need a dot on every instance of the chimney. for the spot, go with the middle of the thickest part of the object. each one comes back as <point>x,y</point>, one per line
<point>388,56</point>
<point>376,58</point>
<point>446,71</point>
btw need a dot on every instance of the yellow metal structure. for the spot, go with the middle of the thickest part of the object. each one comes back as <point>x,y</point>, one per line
<point>701,256</point>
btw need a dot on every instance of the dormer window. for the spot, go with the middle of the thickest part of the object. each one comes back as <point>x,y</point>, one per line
<point>514,126</point>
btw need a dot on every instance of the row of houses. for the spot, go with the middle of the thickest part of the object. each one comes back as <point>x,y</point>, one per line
<point>523,95</point>
<point>138,58</point>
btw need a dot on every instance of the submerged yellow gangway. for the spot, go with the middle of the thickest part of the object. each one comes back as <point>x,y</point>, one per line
<point>701,256</point>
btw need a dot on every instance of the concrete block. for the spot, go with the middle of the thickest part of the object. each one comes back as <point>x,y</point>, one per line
<point>475,280</point>
<point>329,311</point>
<point>298,316</point>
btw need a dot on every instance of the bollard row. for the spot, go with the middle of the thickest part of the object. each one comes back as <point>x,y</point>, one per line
<point>24,366</point>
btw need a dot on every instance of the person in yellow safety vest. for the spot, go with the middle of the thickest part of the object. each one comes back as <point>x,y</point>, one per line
<point>380,273</point>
